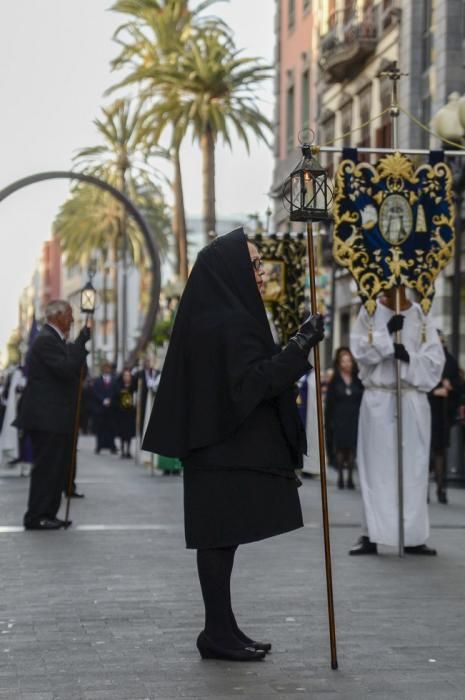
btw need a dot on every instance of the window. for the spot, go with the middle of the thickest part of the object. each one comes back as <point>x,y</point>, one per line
<point>365,108</point>
<point>290,14</point>
<point>290,118</point>
<point>305,97</point>
<point>383,134</point>
<point>306,6</point>
<point>427,35</point>
<point>346,123</point>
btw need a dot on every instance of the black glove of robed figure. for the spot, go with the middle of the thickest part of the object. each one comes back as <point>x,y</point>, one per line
<point>401,353</point>
<point>310,333</point>
<point>395,323</point>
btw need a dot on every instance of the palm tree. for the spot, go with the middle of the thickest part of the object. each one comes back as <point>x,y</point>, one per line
<point>196,79</point>
<point>152,40</point>
<point>210,90</point>
<point>89,221</point>
<point>121,159</point>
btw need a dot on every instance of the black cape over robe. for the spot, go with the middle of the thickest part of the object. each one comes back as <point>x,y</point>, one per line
<point>226,405</point>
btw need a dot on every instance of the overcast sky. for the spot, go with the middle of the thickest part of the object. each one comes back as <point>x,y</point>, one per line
<point>54,69</point>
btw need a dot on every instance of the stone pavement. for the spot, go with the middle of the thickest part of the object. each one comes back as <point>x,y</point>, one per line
<point>110,609</point>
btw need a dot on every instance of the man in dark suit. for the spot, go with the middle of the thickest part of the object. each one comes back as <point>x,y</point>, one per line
<point>48,412</point>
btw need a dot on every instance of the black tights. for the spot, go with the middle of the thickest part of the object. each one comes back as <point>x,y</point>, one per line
<point>215,568</point>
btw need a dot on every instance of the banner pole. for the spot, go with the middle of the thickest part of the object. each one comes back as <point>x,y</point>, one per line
<point>321,446</point>
<point>394,76</point>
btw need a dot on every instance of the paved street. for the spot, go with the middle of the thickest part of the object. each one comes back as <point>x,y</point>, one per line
<point>110,609</point>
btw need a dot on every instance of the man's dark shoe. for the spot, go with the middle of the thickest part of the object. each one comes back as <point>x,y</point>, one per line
<point>76,494</point>
<point>442,496</point>
<point>43,524</point>
<point>364,546</point>
<point>421,549</point>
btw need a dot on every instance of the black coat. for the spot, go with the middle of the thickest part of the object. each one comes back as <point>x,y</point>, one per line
<point>342,410</point>
<point>49,399</point>
<point>226,394</point>
<point>444,409</point>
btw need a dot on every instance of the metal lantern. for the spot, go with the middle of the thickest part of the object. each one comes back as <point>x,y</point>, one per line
<point>88,298</point>
<point>309,192</point>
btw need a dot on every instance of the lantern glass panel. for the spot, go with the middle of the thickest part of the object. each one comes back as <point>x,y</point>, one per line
<point>296,191</point>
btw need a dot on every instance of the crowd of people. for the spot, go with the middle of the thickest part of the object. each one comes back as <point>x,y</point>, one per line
<point>113,402</point>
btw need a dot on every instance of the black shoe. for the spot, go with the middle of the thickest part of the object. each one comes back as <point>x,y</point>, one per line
<point>247,642</point>
<point>209,650</point>
<point>350,484</point>
<point>43,524</point>
<point>340,482</point>
<point>442,497</point>
<point>97,450</point>
<point>76,494</point>
<point>364,546</point>
<point>421,549</point>
<point>113,451</point>
<point>63,523</point>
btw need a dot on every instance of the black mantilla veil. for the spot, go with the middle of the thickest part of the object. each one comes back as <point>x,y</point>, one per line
<point>220,332</point>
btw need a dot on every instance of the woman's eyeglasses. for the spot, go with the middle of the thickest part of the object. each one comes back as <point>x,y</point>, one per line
<point>257,264</point>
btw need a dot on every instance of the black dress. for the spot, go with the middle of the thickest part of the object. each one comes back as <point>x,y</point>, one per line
<point>125,411</point>
<point>342,410</point>
<point>226,406</point>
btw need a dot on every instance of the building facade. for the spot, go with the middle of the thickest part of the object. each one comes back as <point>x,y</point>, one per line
<point>349,44</point>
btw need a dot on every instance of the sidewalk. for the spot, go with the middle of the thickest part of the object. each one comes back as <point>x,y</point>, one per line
<point>110,609</point>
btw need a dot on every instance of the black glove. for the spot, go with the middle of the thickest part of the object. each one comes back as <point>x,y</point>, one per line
<point>84,335</point>
<point>310,333</point>
<point>400,352</point>
<point>396,323</point>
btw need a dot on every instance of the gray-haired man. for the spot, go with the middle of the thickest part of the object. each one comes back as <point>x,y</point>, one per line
<point>48,412</point>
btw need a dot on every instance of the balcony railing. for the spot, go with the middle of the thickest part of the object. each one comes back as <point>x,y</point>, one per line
<point>350,39</point>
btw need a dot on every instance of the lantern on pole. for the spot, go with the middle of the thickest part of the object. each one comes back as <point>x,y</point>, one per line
<point>88,301</point>
<point>309,191</point>
<point>88,298</point>
<point>308,195</point>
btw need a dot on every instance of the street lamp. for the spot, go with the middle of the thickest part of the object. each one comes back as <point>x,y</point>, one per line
<point>449,124</point>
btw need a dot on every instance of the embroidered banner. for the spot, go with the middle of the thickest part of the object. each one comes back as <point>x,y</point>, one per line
<point>393,225</point>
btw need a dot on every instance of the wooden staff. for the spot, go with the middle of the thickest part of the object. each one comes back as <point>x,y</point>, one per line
<point>321,445</point>
<point>139,426</point>
<point>72,463</point>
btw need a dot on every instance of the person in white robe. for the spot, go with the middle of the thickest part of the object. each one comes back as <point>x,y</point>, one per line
<point>9,444</point>
<point>422,361</point>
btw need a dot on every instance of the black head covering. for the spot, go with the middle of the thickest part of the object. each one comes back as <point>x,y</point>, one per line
<point>220,329</point>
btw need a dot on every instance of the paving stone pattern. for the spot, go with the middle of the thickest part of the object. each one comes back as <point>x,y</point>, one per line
<point>111,608</point>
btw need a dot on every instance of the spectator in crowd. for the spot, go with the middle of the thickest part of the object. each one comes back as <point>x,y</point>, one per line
<point>226,406</point>
<point>422,361</point>
<point>103,413</point>
<point>444,401</point>
<point>125,410</point>
<point>343,397</point>
<point>48,412</point>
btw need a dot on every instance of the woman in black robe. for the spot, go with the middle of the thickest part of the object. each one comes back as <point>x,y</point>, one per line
<point>226,406</point>
<point>342,408</point>
<point>125,410</point>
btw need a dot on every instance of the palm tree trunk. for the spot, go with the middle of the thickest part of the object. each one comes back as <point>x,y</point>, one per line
<point>115,283</point>
<point>207,147</point>
<point>179,221</point>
